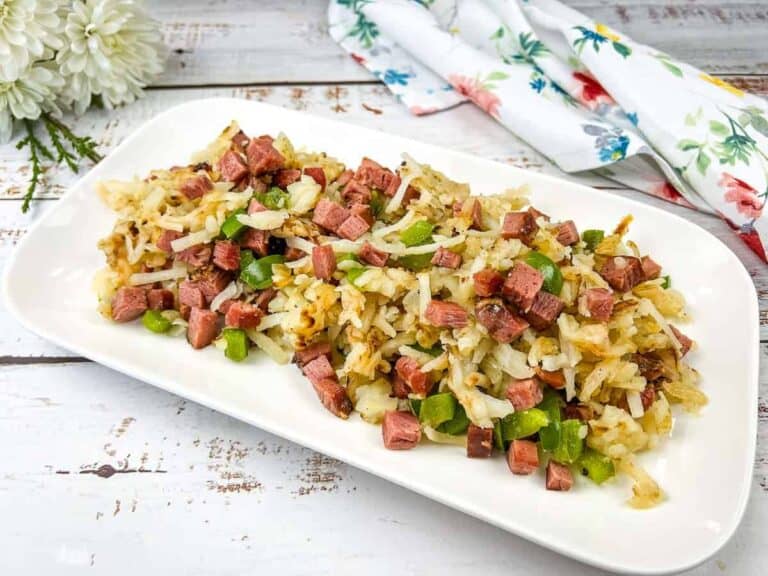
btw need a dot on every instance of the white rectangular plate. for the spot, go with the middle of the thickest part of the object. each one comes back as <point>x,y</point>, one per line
<point>705,468</point>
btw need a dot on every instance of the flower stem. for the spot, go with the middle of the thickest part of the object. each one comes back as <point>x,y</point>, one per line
<point>84,146</point>
<point>64,155</point>
<point>36,150</point>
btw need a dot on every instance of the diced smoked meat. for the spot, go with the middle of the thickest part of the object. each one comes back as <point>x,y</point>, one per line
<point>323,261</point>
<point>578,412</point>
<point>356,193</point>
<point>329,214</point>
<point>371,255</point>
<point>399,387</point>
<point>622,272</point>
<point>502,325</point>
<point>524,394</point>
<point>317,174</point>
<point>475,212</point>
<point>191,295</point>
<point>523,457</point>
<point>446,314</point>
<point>255,206</point>
<point>410,371</point>
<point>599,303</point>
<point>264,298</point>
<point>286,177</point>
<point>243,315</point>
<point>184,310</point>
<point>567,234</point>
<point>536,214</point>
<point>394,184</point>
<point>648,396</point>
<point>211,282</point>
<point>649,365</point>
<point>262,156</point>
<point>559,477</point>
<point>544,311</point>
<point>353,227</point>
<point>196,186</point>
<point>522,285</point>
<point>256,240</point>
<point>232,167</point>
<point>302,357</point>
<point>344,177</point>
<point>479,442</point>
<point>446,259</point>
<point>128,304</point>
<point>334,397</point>
<point>160,299</point>
<point>519,225</point>
<point>240,141</point>
<point>364,211</point>
<point>202,328</point>
<point>319,369</point>
<point>651,269</point>
<point>685,342</point>
<point>400,430</point>
<point>554,379</point>
<point>226,255</point>
<point>164,242</point>
<point>373,174</point>
<point>488,282</point>
<point>196,256</point>
<point>292,254</point>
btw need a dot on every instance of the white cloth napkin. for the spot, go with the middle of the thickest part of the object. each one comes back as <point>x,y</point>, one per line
<point>580,93</point>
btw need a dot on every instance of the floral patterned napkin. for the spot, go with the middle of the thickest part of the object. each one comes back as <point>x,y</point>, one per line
<point>580,93</point>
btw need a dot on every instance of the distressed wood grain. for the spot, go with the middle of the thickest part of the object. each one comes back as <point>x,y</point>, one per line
<point>233,42</point>
<point>122,473</point>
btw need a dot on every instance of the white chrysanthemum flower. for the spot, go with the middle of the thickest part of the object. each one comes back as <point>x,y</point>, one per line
<point>33,92</point>
<point>29,31</point>
<point>112,49</point>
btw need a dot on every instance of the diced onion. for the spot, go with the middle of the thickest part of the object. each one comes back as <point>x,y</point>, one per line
<point>397,199</point>
<point>635,404</point>
<point>300,244</point>
<point>425,293</point>
<point>272,320</point>
<point>427,248</point>
<point>265,220</point>
<point>270,347</point>
<point>396,227</point>
<point>233,290</point>
<point>193,239</point>
<point>298,263</point>
<point>141,278</point>
<point>443,438</point>
<point>303,194</point>
<point>439,363</point>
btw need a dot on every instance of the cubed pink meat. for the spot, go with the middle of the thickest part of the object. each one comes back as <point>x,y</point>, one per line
<point>263,157</point>
<point>232,167</point>
<point>446,314</point>
<point>567,234</point>
<point>519,225</point>
<point>353,227</point>
<point>191,295</point>
<point>257,184</point>
<point>399,388</point>
<point>599,303</point>
<point>196,186</point>
<point>446,259</point>
<point>292,254</point>
<point>373,256</point>
<point>168,236</point>
<point>525,393</point>
<point>256,240</point>
<point>553,378</point>
<point>334,397</point>
<point>356,193</point>
<point>211,282</point>
<point>537,214</point>
<point>650,366</point>
<point>622,272</point>
<point>240,141</point>
<point>226,255</point>
<point>255,206</point>
<point>184,310</point>
<point>474,211</point>
<point>128,304</point>
<point>243,315</point>
<point>343,178</point>
<point>319,369</point>
<point>286,177</point>
<point>651,268</point>
<point>559,477</point>
<point>160,299</point>
<point>544,311</point>
<point>479,441</point>
<point>523,457</point>
<point>317,174</point>
<point>400,430</point>
<point>203,327</point>
<point>323,261</point>
<point>577,412</point>
<point>329,214</point>
<point>685,342</point>
<point>410,371</point>
<point>488,282</point>
<point>302,357</point>
<point>394,184</point>
<point>364,211</point>
<point>522,285</point>
<point>502,325</point>
<point>371,173</point>
<point>196,256</point>
<point>264,298</point>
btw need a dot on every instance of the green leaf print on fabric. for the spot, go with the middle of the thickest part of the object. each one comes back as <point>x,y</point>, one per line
<point>599,36</point>
<point>668,63</point>
<point>364,30</point>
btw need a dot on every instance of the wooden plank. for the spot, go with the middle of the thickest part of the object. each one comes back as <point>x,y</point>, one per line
<point>108,472</point>
<point>229,42</point>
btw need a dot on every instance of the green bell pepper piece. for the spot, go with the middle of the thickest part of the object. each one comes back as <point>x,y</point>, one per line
<point>592,238</point>
<point>438,408</point>
<point>498,436</point>
<point>553,278</point>
<point>417,233</point>
<point>154,321</point>
<point>237,344</point>
<point>258,273</point>
<point>457,425</point>
<point>667,282</point>
<point>571,444</point>
<point>435,351</point>
<point>354,273</point>
<point>274,198</point>
<point>377,203</point>
<point>415,405</point>
<point>415,262</point>
<point>551,404</point>
<point>232,227</point>
<point>596,466</point>
<point>347,256</point>
<point>523,424</point>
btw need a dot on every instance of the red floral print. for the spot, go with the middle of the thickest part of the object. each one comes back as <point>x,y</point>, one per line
<point>592,92</point>
<point>742,194</point>
<point>475,91</point>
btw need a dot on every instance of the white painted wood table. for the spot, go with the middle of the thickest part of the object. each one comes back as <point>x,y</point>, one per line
<point>103,473</point>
